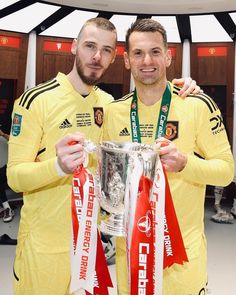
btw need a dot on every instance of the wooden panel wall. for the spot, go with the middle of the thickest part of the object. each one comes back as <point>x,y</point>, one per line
<point>175,69</point>
<point>52,61</point>
<point>212,64</point>
<point>13,59</point>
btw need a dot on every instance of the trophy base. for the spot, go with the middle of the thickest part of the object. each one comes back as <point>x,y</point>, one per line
<point>113,225</point>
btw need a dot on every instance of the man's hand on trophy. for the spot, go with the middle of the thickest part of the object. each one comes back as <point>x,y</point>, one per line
<point>70,153</point>
<point>172,159</point>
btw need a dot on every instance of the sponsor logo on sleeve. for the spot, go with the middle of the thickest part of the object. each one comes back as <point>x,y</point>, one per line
<point>16,124</point>
<point>217,124</point>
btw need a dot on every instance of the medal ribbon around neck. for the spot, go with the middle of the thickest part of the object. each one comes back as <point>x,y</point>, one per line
<point>163,115</point>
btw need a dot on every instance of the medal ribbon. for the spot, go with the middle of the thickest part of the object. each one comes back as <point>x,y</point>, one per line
<point>88,264</point>
<point>162,119</point>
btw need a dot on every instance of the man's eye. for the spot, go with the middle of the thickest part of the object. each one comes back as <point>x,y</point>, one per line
<point>156,52</point>
<point>107,50</point>
<point>90,46</point>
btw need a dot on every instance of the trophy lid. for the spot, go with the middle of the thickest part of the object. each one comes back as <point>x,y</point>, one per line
<point>129,146</point>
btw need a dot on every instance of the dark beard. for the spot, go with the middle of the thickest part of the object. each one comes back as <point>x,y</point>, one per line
<point>92,80</point>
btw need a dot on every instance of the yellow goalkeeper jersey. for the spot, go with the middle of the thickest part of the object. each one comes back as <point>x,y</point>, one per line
<point>195,126</point>
<point>42,116</point>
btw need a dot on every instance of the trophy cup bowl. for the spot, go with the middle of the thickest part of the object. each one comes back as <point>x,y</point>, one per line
<point>115,162</point>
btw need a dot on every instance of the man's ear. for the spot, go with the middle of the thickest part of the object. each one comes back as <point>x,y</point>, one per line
<point>74,47</point>
<point>168,58</point>
<point>126,60</point>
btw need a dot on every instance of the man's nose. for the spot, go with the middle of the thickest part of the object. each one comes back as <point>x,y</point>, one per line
<point>97,56</point>
<point>147,58</point>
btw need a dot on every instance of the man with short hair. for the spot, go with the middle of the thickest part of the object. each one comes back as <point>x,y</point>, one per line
<point>41,116</point>
<point>191,131</point>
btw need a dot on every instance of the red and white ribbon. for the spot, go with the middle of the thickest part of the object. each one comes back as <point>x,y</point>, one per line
<point>174,250</point>
<point>88,265</point>
<point>153,233</point>
<point>158,209</point>
<point>142,245</point>
<point>134,174</point>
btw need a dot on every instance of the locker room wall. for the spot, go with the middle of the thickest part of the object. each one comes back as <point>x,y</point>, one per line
<point>212,66</point>
<point>52,56</point>
<point>175,69</point>
<point>13,55</point>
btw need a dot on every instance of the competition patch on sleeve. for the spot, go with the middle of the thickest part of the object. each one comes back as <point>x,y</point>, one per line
<point>98,116</point>
<point>16,124</point>
<point>172,129</point>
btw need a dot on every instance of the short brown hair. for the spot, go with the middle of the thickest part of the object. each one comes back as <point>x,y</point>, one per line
<point>146,25</point>
<point>101,23</point>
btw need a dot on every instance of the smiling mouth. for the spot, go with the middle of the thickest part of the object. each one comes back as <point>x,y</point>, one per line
<point>148,70</point>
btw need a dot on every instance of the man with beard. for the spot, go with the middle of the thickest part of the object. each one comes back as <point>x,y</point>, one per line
<point>68,104</point>
<point>41,116</point>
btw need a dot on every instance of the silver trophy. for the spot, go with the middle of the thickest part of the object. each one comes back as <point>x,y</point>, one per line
<point>116,163</point>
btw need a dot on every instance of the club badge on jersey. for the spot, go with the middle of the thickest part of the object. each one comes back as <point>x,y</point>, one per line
<point>172,130</point>
<point>98,116</point>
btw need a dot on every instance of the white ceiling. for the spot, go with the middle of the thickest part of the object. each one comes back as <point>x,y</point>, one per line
<point>49,17</point>
<point>153,6</point>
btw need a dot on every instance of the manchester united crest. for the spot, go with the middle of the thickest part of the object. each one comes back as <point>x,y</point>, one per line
<point>98,116</point>
<point>172,128</point>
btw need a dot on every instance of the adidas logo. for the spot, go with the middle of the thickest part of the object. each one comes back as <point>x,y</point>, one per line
<point>124,132</point>
<point>65,124</point>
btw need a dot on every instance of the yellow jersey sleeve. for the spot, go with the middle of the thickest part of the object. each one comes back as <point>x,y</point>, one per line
<point>25,171</point>
<point>215,164</point>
